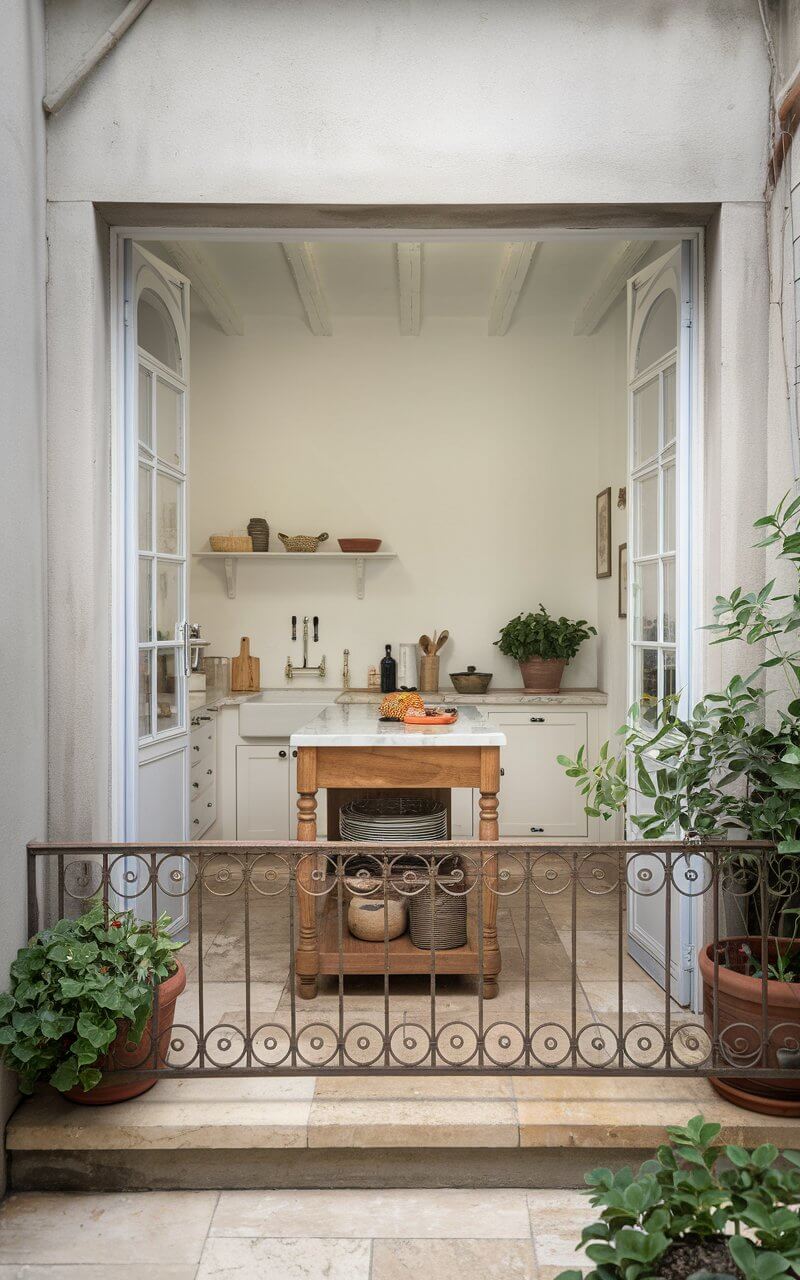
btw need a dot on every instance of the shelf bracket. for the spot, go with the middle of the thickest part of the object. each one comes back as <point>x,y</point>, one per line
<point>230,576</point>
<point>360,573</point>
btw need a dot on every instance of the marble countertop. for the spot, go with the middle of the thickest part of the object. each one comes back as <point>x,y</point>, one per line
<point>494,697</point>
<point>357,725</point>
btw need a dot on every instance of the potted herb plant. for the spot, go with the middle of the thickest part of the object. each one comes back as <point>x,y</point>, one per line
<point>696,1211</point>
<point>82,1003</point>
<point>542,646</point>
<point>731,769</point>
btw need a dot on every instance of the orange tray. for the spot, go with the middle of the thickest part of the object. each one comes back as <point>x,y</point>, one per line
<point>423,721</point>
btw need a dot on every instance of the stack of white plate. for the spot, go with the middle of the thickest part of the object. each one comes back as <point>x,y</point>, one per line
<point>393,820</point>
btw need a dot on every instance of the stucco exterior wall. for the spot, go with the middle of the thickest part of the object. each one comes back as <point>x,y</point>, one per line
<point>23,758</point>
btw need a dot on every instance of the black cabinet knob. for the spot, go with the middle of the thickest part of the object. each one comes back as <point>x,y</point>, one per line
<point>282,755</point>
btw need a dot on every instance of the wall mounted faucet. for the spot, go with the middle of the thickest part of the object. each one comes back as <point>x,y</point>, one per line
<point>290,670</point>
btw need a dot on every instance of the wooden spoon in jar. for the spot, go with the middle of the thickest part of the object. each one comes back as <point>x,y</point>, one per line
<point>443,638</point>
<point>425,644</point>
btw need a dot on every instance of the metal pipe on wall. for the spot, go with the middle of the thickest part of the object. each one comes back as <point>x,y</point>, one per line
<point>54,101</point>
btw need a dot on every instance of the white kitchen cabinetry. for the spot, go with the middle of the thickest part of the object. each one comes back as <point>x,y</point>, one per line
<point>262,792</point>
<point>202,774</point>
<point>537,799</point>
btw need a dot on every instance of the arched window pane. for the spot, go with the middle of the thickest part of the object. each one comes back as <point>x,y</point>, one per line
<point>155,331</point>
<point>659,332</point>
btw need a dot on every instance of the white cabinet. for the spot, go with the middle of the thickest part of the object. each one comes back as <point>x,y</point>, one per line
<point>262,792</point>
<point>202,774</point>
<point>536,796</point>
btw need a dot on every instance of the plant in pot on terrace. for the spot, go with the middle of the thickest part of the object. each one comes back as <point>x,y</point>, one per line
<point>731,769</point>
<point>543,646</point>
<point>685,1211</point>
<point>82,1001</point>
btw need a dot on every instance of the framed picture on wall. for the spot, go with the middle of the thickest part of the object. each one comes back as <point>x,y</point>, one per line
<point>622,584</point>
<point>603,534</point>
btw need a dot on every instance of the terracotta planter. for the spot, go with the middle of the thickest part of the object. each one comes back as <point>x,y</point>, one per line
<point>121,1084</point>
<point>739,1019</point>
<point>542,675</point>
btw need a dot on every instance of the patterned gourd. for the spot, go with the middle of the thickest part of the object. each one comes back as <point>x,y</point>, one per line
<point>395,705</point>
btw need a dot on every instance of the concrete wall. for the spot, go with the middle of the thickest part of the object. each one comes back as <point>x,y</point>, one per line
<point>23,757</point>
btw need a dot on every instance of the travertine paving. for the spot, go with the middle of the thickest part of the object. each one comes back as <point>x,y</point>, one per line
<point>298,1235</point>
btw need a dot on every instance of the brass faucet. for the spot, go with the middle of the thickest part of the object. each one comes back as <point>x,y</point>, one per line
<point>290,670</point>
<point>346,670</point>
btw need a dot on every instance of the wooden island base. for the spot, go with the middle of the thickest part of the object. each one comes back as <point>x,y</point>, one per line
<point>390,768</point>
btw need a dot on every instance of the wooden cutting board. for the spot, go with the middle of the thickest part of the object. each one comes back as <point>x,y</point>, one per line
<point>245,671</point>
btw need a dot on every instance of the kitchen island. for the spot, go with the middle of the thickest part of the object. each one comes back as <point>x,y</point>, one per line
<point>346,749</point>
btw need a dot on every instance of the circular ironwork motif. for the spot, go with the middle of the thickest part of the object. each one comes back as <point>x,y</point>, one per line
<point>551,1044</point>
<point>510,878</point>
<point>692,873</point>
<point>410,1044</point>
<point>182,1048</point>
<point>597,1044</point>
<point>176,875</point>
<point>456,1043</point>
<point>551,873</point>
<point>315,874</point>
<point>598,873</point>
<point>645,874</point>
<point>269,874</point>
<point>503,1043</point>
<point>317,1044</point>
<point>645,1044</point>
<point>364,1044</point>
<point>129,875</point>
<point>224,1045</point>
<point>740,1044</point>
<point>222,875</point>
<point>690,1045</point>
<point>83,879</point>
<point>270,1044</point>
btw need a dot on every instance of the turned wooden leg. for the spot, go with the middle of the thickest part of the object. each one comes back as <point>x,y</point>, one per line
<point>489,831</point>
<point>307,954</point>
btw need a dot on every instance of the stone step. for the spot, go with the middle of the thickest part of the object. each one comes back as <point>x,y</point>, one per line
<point>380,1131</point>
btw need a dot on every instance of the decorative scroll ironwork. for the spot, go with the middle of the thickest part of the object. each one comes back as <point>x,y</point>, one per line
<point>240,1012</point>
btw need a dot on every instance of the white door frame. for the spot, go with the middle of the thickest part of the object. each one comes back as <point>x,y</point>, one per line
<point>120,236</point>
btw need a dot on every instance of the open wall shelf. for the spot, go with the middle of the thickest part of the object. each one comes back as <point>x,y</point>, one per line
<point>231,562</point>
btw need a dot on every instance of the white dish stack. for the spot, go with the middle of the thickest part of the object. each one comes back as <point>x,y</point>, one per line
<point>393,820</point>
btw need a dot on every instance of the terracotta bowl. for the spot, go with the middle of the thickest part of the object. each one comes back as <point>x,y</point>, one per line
<point>360,546</point>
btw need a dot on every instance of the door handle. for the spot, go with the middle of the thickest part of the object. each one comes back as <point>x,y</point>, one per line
<point>187,663</point>
<point>502,773</point>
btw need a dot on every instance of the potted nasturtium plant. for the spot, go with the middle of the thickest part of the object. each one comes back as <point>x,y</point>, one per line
<point>696,1211</point>
<point>82,1004</point>
<point>731,770</point>
<point>542,646</point>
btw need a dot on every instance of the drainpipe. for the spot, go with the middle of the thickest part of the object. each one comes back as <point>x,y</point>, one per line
<point>54,101</point>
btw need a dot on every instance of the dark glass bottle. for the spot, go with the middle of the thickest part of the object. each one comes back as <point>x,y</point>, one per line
<point>388,672</point>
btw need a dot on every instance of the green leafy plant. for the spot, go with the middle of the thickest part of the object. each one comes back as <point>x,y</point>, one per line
<point>731,768</point>
<point>72,985</point>
<point>694,1199</point>
<point>537,635</point>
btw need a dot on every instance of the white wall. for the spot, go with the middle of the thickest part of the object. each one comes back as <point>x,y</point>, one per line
<point>475,458</point>
<point>350,101</point>
<point>23,758</point>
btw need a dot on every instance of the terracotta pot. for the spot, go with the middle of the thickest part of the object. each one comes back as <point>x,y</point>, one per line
<point>542,675</point>
<point>739,1020</point>
<point>121,1084</point>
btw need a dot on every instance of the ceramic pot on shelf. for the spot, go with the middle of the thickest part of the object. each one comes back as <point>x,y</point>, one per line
<point>542,675</point>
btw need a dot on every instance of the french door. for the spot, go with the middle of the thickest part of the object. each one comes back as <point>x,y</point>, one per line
<point>157,374</point>
<point>659,627</point>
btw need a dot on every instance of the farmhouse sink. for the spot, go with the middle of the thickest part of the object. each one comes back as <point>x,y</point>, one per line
<point>277,713</point>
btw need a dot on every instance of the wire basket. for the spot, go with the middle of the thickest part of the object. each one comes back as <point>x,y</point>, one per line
<point>441,922</point>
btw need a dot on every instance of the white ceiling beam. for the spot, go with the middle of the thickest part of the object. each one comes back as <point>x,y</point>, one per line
<point>196,263</point>
<point>409,283</point>
<point>514,267</point>
<point>301,262</point>
<point>616,272</point>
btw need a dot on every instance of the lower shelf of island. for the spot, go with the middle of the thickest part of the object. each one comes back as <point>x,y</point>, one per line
<point>359,957</point>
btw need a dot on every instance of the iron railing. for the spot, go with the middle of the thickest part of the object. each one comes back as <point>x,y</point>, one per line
<point>544,985</point>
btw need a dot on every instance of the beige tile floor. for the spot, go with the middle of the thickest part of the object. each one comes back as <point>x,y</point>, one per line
<point>546,918</point>
<point>297,1235</point>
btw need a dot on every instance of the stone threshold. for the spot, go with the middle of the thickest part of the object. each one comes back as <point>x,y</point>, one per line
<point>360,1132</point>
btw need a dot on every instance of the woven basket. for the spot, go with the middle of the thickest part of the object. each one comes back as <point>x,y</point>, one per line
<point>448,913</point>
<point>230,542</point>
<point>302,541</point>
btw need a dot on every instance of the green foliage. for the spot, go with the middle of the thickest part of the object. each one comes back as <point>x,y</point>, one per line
<point>70,988</point>
<point>692,1191</point>
<point>537,635</point>
<point>733,765</point>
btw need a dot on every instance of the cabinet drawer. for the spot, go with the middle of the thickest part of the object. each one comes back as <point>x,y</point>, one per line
<point>202,774</point>
<point>202,811</point>
<point>536,796</point>
<point>202,740</point>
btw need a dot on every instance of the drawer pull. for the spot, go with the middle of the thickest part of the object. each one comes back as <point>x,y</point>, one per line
<point>195,785</point>
<point>209,772</point>
<point>282,755</point>
<point>195,748</point>
<point>537,831</point>
<point>502,773</point>
<point>197,822</point>
<point>537,719</point>
<point>210,804</point>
